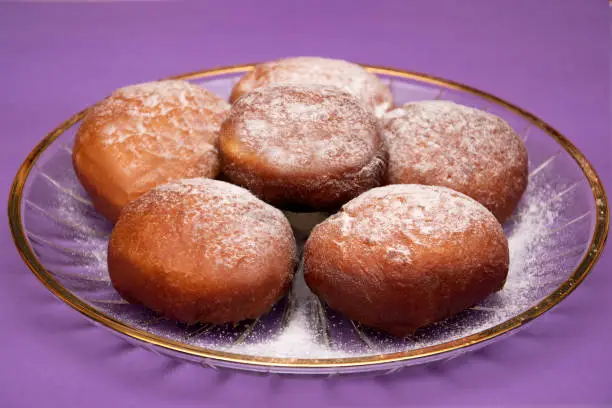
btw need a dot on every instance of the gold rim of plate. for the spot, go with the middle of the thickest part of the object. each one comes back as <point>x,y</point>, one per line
<point>595,248</point>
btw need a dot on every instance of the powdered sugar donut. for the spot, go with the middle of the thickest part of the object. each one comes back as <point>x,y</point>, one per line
<point>202,250</point>
<point>403,256</point>
<point>469,150</point>
<point>324,71</point>
<point>144,135</point>
<point>306,147</point>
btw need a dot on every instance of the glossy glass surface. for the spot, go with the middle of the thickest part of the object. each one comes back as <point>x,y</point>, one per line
<point>555,236</point>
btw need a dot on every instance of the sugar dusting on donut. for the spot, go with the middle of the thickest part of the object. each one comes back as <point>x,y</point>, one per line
<point>169,95</point>
<point>403,216</point>
<point>165,119</point>
<point>234,223</point>
<point>446,144</point>
<point>444,137</point>
<point>313,70</point>
<point>302,127</point>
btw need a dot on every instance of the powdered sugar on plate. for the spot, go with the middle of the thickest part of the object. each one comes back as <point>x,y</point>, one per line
<point>527,237</point>
<point>301,337</point>
<point>533,258</point>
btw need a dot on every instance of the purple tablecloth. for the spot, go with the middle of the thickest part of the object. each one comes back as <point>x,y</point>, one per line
<point>550,57</point>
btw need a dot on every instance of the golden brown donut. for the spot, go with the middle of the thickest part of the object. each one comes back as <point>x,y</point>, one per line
<point>145,135</point>
<point>400,257</point>
<point>202,250</point>
<point>324,71</point>
<point>446,144</point>
<point>305,147</point>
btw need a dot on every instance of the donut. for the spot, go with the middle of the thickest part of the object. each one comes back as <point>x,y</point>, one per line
<point>403,256</point>
<point>202,250</point>
<point>145,135</point>
<point>302,147</point>
<point>323,71</point>
<point>469,150</point>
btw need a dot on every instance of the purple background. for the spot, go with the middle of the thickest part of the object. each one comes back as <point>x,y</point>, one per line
<point>550,57</point>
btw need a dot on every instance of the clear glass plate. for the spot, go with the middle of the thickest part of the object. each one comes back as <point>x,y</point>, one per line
<point>556,236</point>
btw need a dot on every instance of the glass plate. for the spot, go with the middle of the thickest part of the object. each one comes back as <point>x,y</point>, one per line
<point>555,235</point>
